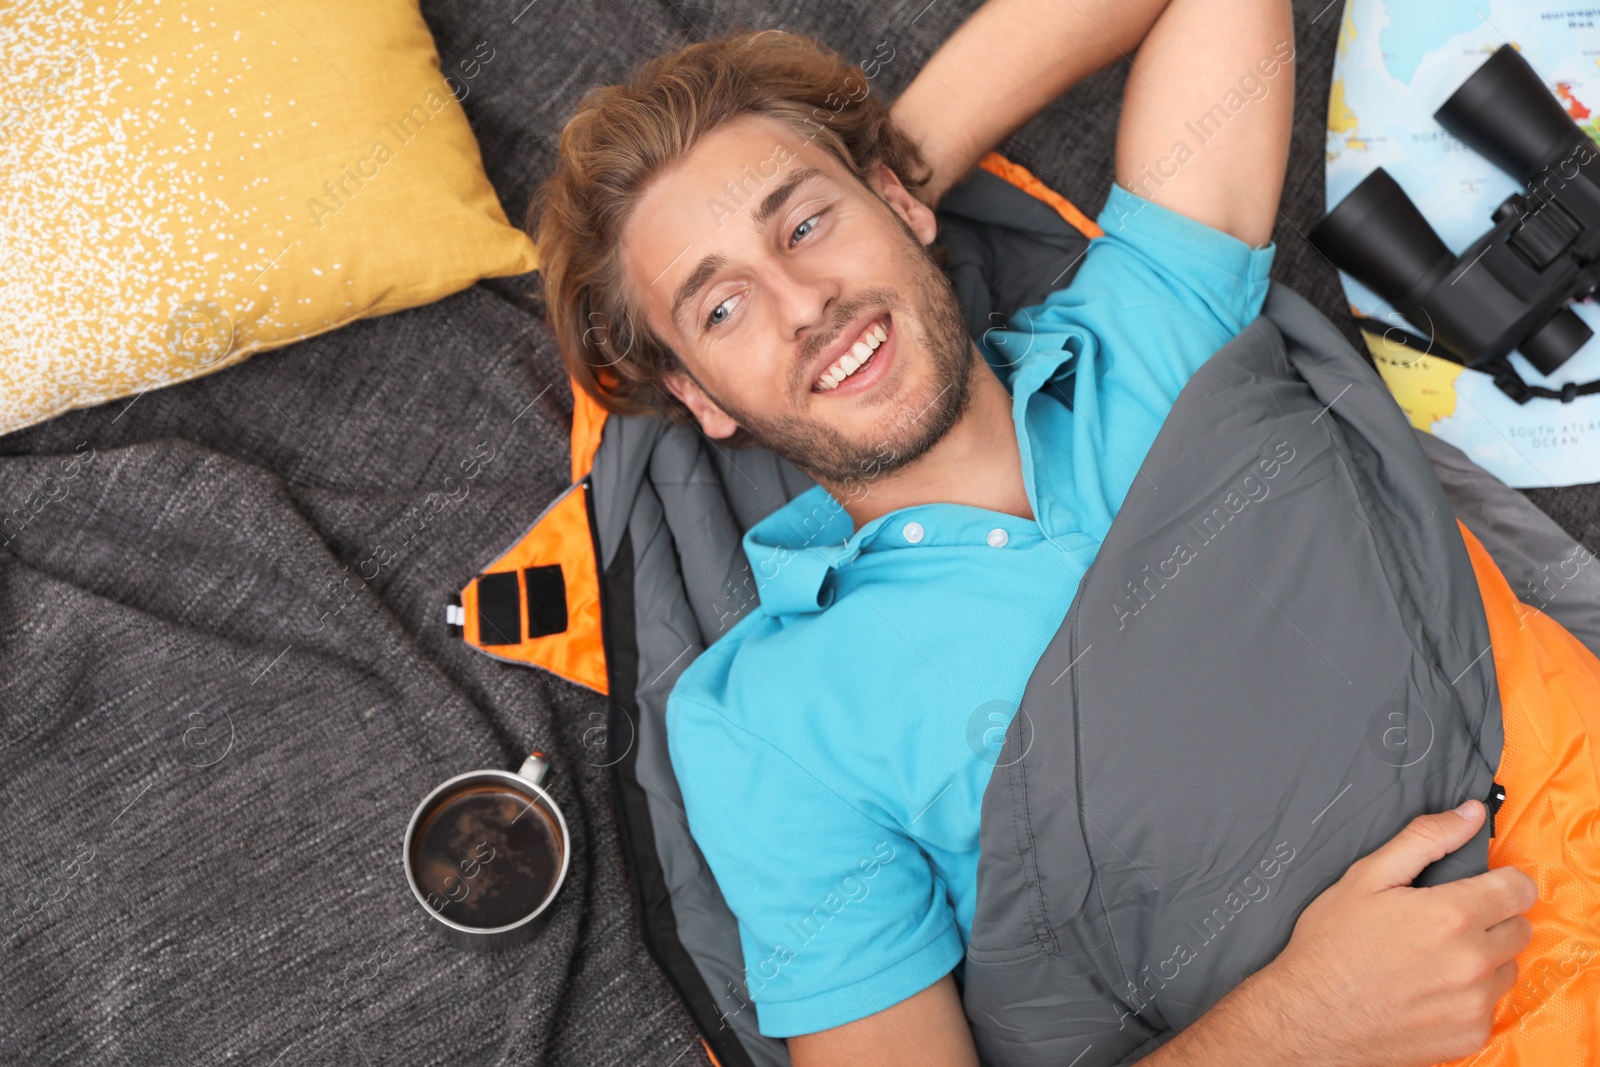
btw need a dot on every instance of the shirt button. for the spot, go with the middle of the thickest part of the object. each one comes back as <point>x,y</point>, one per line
<point>997,538</point>
<point>913,532</point>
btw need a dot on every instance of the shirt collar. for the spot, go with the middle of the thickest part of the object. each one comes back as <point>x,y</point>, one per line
<point>794,549</point>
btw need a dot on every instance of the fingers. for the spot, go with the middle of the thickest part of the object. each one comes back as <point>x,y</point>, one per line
<point>1425,839</point>
<point>1505,976</point>
<point>1493,897</point>
<point>1506,940</point>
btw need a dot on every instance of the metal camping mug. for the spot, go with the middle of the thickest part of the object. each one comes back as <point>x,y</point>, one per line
<point>466,838</point>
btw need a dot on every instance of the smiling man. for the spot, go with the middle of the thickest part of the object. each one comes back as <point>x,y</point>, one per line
<point>832,350</point>
<point>739,236</point>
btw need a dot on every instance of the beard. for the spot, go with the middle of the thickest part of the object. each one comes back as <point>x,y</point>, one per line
<point>940,331</point>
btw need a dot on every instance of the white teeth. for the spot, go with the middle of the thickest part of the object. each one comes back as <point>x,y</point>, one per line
<point>852,360</point>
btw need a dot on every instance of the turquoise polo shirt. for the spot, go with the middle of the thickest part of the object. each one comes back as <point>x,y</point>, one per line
<point>834,745</point>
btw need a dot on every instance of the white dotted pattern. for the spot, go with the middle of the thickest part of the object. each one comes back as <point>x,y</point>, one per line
<point>278,161</point>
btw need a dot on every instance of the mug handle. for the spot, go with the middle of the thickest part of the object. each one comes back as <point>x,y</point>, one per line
<point>535,768</point>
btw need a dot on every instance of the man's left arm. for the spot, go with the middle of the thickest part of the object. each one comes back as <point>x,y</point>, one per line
<point>1207,113</point>
<point>1214,76</point>
<point>1003,66</point>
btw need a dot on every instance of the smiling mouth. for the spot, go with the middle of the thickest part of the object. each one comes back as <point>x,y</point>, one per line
<point>857,358</point>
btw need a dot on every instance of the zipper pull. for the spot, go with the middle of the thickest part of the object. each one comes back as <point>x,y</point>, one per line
<point>1496,797</point>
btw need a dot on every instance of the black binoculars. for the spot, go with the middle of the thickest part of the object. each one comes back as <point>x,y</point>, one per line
<point>1510,288</point>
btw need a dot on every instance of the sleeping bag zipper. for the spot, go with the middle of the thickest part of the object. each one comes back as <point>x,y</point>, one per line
<point>1496,797</point>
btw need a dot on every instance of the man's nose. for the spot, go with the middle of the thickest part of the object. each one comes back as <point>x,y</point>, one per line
<point>804,300</point>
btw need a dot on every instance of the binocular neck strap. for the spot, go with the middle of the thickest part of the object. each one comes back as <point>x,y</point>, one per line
<point>1511,384</point>
<point>1506,378</point>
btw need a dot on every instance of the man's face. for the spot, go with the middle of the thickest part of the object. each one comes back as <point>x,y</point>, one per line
<point>803,303</point>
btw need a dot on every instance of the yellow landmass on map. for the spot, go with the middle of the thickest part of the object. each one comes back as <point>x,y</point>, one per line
<point>1347,31</point>
<point>1424,386</point>
<point>1340,118</point>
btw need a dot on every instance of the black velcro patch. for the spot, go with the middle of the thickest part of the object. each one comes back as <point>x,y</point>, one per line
<point>499,612</point>
<point>547,600</point>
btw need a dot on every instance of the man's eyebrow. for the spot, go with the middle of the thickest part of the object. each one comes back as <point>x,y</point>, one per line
<point>708,267</point>
<point>776,199</point>
<point>696,281</point>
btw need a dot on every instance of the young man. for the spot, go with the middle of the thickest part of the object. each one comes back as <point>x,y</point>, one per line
<point>743,229</point>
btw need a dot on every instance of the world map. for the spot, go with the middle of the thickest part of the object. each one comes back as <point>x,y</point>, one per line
<point>1397,61</point>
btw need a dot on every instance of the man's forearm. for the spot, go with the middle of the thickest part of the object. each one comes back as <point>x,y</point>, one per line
<point>1250,1026</point>
<point>1205,128</point>
<point>1378,973</point>
<point>1005,64</point>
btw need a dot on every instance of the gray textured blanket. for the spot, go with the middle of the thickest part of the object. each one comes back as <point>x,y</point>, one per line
<point>225,677</point>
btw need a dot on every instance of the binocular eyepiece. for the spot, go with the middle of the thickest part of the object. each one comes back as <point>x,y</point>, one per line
<point>1510,288</point>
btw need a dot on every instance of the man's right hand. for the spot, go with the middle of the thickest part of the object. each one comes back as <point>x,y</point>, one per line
<point>1379,973</point>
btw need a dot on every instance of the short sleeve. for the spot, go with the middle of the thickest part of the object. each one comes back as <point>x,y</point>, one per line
<point>1160,291</point>
<point>839,917</point>
<point>1151,256</point>
<point>1107,355</point>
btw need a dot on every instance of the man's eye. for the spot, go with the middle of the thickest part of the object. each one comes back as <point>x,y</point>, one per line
<point>808,225</point>
<point>712,319</point>
<point>720,313</point>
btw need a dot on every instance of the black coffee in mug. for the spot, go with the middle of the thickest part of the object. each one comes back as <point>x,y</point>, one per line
<point>486,855</point>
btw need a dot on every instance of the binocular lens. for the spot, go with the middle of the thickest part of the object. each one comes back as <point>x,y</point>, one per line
<point>1505,113</point>
<point>1377,234</point>
<point>1555,342</point>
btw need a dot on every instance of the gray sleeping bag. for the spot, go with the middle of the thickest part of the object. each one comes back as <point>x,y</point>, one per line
<point>1278,657</point>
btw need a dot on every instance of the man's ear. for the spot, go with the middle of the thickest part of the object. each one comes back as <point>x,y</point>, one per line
<point>917,215</point>
<point>713,420</point>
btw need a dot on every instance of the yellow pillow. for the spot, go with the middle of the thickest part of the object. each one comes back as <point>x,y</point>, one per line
<point>188,183</point>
